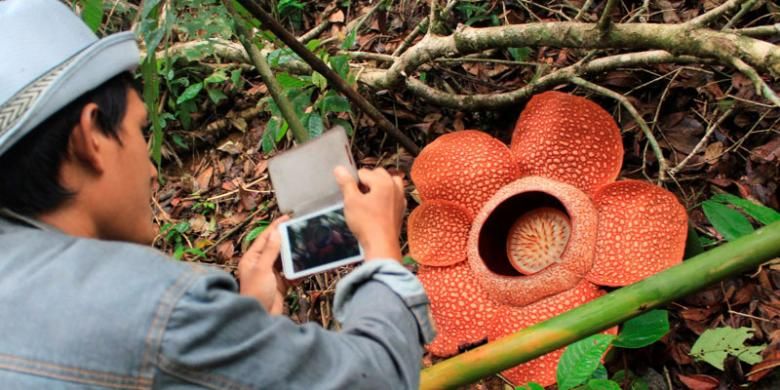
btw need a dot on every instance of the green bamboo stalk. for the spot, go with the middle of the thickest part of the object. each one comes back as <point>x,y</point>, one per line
<point>605,312</point>
<point>261,63</point>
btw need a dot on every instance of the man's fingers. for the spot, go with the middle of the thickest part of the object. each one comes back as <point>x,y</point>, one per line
<point>347,183</point>
<point>271,250</point>
<point>378,177</point>
<point>260,242</point>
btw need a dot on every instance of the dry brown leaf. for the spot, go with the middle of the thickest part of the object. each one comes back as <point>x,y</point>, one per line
<point>699,382</point>
<point>225,251</point>
<point>203,180</point>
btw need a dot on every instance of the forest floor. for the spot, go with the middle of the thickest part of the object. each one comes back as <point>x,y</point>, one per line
<point>215,195</point>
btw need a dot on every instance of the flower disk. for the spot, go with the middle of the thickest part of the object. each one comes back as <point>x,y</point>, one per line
<point>438,231</point>
<point>568,138</point>
<point>460,308</point>
<point>465,167</point>
<point>642,230</point>
<point>537,239</point>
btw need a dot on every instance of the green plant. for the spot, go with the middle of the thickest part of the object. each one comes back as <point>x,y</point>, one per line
<point>729,214</point>
<point>580,365</point>
<point>476,12</point>
<point>175,234</point>
<point>318,106</point>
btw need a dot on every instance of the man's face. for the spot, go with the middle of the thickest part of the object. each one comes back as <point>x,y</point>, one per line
<point>130,177</point>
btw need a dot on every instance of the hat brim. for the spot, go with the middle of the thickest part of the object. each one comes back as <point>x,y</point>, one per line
<point>83,72</point>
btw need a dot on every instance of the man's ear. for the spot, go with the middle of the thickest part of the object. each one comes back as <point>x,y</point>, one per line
<point>87,140</point>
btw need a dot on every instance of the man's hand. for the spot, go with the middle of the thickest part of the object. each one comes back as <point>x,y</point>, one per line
<point>256,270</point>
<point>374,217</point>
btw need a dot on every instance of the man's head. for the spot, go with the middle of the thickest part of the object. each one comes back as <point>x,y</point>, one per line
<point>72,151</point>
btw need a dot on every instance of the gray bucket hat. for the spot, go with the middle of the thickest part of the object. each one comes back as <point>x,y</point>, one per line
<point>48,58</point>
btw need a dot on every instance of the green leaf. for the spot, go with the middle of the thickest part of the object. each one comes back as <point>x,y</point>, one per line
<point>235,78</point>
<point>216,95</point>
<point>319,80</point>
<point>267,142</point>
<point>727,221</point>
<point>216,77</point>
<point>602,384</point>
<point>313,45</point>
<point>256,231</point>
<point>345,124</point>
<point>333,102</point>
<point>314,125</point>
<point>581,359</point>
<point>519,53</point>
<point>340,65</point>
<point>300,100</point>
<point>600,373</point>
<point>408,260</point>
<point>349,40</point>
<point>714,345</point>
<point>762,214</point>
<point>190,93</point>
<point>288,81</point>
<point>530,386</point>
<point>643,330</point>
<point>92,13</point>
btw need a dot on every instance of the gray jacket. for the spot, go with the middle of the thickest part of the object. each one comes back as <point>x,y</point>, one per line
<point>82,313</point>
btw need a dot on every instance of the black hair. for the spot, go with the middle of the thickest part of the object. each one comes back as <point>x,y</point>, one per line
<point>29,170</point>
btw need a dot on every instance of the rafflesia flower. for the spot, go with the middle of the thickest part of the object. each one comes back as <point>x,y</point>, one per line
<point>511,236</point>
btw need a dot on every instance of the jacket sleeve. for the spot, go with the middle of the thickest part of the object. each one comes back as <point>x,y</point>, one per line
<point>215,338</point>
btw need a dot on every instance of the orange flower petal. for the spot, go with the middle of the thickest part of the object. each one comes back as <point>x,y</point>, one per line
<point>486,246</point>
<point>642,230</point>
<point>568,138</point>
<point>466,167</point>
<point>509,319</point>
<point>460,308</point>
<point>438,230</point>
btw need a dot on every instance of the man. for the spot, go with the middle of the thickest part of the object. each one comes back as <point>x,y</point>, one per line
<point>85,303</point>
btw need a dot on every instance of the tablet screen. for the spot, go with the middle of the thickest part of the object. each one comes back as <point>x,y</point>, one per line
<point>320,239</point>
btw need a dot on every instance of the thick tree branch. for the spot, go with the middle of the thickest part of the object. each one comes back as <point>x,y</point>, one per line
<point>676,38</point>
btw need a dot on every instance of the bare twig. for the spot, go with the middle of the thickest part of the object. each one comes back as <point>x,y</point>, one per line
<point>334,79</point>
<point>315,32</point>
<point>762,88</point>
<point>711,16</point>
<point>605,21</point>
<point>421,27</point>
<point>584,8</point>
<point>743,9</point>
<point>702,142</point>
<point>759,31</point>
<point>662,163</point>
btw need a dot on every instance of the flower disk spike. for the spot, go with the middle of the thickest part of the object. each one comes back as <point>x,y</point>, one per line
<point>537,239</point>
<point>568,138</point>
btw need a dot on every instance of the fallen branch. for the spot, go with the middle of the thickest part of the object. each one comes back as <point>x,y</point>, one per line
<point>603,313</point>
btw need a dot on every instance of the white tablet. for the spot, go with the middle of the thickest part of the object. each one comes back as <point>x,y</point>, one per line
<point>318,242</point>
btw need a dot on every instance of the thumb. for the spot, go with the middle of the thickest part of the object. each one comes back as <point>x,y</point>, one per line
<point>345,180</point>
